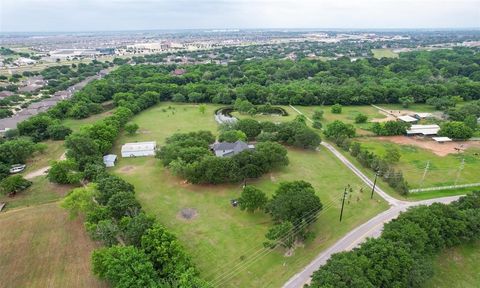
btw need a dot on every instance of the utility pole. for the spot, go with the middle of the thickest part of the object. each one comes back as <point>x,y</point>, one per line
<point>374,184</point>
<point>343,202</point>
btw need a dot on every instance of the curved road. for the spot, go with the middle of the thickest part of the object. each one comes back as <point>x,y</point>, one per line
<point>371,228</point>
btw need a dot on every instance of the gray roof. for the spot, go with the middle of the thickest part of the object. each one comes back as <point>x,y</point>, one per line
<point>236,147</point>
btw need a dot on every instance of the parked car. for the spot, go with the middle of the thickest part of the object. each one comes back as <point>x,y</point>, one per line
<point>17,168</point>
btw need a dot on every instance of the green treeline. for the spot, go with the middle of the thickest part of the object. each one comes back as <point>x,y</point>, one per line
<point>402,256</point>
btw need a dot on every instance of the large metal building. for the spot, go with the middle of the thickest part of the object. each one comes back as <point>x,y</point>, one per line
<point>138,149</point>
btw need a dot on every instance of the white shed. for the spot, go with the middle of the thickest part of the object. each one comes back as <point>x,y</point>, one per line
<point>139,149</point>
<point>109,160</point>
<point>407,119</point>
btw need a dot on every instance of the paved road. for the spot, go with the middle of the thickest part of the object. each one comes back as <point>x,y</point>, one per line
<point>371,228</point>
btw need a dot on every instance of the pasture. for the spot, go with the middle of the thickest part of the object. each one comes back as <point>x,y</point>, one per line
<point>42,247</point>
<point>384,53</point>
<point>457,268</point>
<point>220,237</point>
<point>348,115</point>
<point>442,170</point>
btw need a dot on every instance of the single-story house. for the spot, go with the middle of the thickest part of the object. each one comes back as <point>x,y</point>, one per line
<point>425,130</point>
<point>420,116</point>
<point>407,119</point>
<point>139,149</point>
<point>442,139</point>
<point>109,160</point>
<point>227,149</point>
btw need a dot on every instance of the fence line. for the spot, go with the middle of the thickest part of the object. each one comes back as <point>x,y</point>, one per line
<point>444,187</point>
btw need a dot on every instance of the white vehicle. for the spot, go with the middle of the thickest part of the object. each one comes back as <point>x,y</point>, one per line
<point>17,168</point>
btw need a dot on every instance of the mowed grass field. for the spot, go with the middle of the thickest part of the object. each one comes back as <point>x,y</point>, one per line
<point>41,247</point>
<point>443,170</point>
<point>384,53</point>
<point>457,268</point>
<point>221,237</point>
<point>348,115</point>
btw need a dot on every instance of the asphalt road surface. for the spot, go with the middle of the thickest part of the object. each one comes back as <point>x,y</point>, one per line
<point>371,228</point>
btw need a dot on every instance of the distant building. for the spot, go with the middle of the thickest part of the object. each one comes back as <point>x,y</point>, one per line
<point>227,149</point>
<point>442,139</point>
<point>425,130</point>
<point>178,72</point>
<point>138,149</point>
<point>420,116</point>
<point>109,160</point>
<point>407,119</point>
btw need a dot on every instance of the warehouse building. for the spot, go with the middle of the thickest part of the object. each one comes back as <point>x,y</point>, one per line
<point>139,149</point>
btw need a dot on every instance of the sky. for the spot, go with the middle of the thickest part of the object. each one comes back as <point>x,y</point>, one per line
<point>115,15</point>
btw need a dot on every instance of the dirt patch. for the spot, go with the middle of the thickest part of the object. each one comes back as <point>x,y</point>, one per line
<point>188,214</point>
<point>440,149</point>
<point>144,132</point>
<point>388,117</point>
<point>128,169</point>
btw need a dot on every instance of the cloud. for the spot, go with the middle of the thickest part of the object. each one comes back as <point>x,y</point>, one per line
<point>82,15</point>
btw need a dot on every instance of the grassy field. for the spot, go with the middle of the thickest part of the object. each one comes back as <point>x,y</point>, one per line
<point>75,124</point>
<point>41,247</point>
<point>457,268</point>
<point>443,170</point>
<point>54,151</point>
<point>41,191</point>
<point>384,53</point>
<point>348,115</point>
<point>221,236</point>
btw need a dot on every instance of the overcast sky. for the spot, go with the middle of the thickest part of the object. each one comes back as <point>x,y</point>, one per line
<point>93,15</point>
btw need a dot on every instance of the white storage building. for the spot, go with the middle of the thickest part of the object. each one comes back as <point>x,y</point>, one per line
<point>138,149</point>
<point>109,160</point>
<point>425,130</point>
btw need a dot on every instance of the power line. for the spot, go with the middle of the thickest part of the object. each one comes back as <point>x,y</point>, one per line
<point>253,247</point>
<point>230,274</point>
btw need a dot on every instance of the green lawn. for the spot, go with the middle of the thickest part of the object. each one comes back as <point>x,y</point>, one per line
<point>41,191</point>
<point>384,53</point>
<point>457,268</point>
<point>273,118</point>
<point>53,152</point>
<point>76,124</point>
<point>348,115</point>
<point>41,247</point>
<point>221,236</point>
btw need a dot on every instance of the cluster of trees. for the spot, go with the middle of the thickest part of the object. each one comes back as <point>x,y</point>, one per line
<point>402,256</point>
<point>419,75</point>
<point>293,208</point>
<point>381,165</point>
<point>138,251</point>
<point>16,150</point>
<point>42,127</point>
<point>341,134</point>
<point>390,128</point>
<point>294,133</point>
<point>63,76</point>
<point>188,156</point>
<point>456,130</point>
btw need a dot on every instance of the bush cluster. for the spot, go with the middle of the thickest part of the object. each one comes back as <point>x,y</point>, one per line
<point>402,256</point>
<point>188,155</point>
